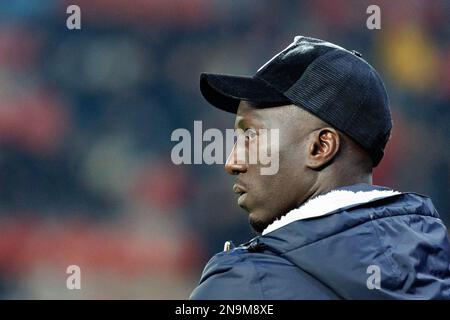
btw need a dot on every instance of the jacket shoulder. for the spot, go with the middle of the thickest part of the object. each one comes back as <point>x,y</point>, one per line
<point>243,275</point>
<point>229,275</point>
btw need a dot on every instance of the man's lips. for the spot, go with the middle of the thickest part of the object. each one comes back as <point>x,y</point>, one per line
<point>242,192</point>
<point>238,189</point>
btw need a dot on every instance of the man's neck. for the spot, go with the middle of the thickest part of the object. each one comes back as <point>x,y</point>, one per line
<point>329,184</point>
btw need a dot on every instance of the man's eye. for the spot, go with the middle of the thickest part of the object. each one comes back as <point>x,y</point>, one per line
<point>250,133</point>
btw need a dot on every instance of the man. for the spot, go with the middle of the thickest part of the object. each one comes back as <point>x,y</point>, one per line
<point>325,231</point>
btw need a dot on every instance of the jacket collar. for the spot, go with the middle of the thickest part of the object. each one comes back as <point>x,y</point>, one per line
<point>328,203</point>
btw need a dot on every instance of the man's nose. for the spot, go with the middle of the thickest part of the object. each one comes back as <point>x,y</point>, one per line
<point>234,165</point>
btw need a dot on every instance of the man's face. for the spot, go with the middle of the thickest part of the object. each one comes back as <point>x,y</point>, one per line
<point>267,197</point>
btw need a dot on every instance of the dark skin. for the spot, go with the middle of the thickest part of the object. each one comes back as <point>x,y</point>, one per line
<point>314,158</point>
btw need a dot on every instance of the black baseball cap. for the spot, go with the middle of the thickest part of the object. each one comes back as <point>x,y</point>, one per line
<point>333,83</point>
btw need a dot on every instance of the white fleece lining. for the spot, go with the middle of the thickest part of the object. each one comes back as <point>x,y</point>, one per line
<point>327,203</point>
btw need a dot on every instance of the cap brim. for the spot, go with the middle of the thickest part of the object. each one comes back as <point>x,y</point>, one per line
<point>225,91</point>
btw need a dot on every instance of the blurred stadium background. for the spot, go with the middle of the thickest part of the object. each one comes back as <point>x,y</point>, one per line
<point>86,118</point>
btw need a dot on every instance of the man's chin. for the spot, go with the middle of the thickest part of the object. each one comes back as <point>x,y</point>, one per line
<point>258,225</point>
<point>255,218</point>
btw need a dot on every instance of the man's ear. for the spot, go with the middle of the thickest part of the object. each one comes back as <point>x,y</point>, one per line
<point>323,146</point>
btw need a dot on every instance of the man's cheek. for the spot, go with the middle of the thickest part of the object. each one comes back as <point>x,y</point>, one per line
<point>268,151</point>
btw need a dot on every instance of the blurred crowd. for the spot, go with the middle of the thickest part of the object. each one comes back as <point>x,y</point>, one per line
<point>86,116</point>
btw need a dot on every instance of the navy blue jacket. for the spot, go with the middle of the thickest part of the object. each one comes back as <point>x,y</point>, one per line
<point>333,256</point>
